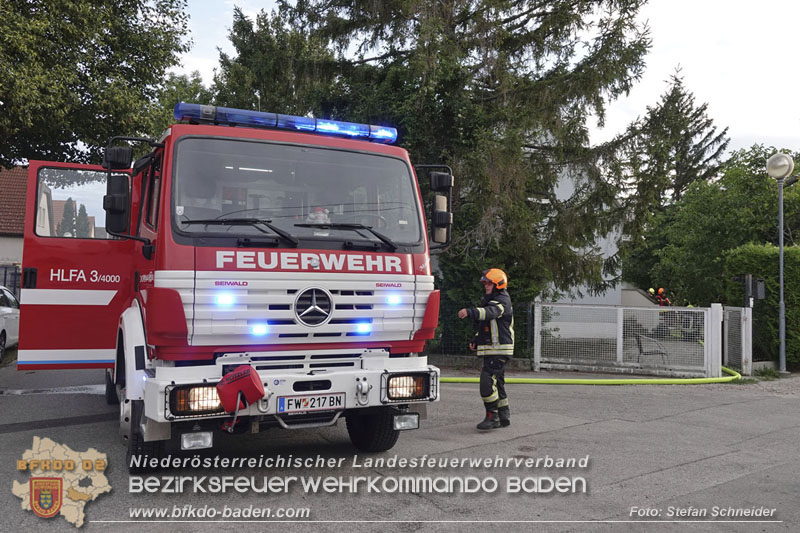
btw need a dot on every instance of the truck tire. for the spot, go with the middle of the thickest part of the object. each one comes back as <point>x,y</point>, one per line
<point>373,431</point>
<point>136,442</point>
<point>111,390</point>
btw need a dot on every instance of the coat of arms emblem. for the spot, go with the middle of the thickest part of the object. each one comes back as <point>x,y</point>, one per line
<point>46,495</point>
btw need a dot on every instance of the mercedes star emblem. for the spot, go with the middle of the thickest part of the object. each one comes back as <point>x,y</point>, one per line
<point>313,306</point>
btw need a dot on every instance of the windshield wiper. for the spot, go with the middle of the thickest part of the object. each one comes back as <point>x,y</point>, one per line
<point>353,226</point>
<point>255,222</point>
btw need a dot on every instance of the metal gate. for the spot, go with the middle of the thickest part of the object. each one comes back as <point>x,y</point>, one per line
<point>738,339</point>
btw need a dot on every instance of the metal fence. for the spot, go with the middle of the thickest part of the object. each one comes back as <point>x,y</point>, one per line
<point>11,278</point>
<point>737,335</point>
<point>663,341</point>
<point>673,341</point>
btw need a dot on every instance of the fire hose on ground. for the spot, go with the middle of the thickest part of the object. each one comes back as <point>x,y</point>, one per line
<point>733,376</point>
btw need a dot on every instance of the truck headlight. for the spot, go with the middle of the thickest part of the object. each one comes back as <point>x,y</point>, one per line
<point>188,400</point>
<point>408,387</point>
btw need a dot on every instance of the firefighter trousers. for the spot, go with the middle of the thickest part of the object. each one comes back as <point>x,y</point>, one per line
<point>493,383</point>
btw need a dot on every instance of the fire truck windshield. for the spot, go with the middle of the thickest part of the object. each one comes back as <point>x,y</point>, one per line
<point>309,192</point>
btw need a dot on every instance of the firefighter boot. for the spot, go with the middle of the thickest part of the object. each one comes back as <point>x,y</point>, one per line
<point>504,414</point>
<point>491,421</point>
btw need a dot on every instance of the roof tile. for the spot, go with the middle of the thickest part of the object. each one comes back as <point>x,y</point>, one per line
<point>13,185</point>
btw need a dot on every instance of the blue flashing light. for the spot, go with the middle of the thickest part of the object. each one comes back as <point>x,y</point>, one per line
<point>259,119</point>
<point>247,117</point>
<point>344,128</point>
<point>289,122</point>
<point>204,113</point>
<point>393,299</point>
<point>363,327</point>
<point>224,299</point>
<point>259,330</point>
<point>382,134</point>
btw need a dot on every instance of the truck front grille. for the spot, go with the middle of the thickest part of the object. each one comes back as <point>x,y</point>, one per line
<point>334,359</point>
<point>262,307</point>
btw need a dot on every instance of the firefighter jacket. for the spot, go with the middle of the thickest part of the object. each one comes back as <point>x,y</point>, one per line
<point>495,320</point>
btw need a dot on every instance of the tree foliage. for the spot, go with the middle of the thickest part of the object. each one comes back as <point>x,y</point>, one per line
<point>277,66</point>
<point>76,73</point>
<point>176,88</point>
<point>762,261</point>
<point>675,145</point>
<point>694,235</point>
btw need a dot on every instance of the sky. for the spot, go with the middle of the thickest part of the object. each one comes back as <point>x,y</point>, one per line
<point>736,56</point>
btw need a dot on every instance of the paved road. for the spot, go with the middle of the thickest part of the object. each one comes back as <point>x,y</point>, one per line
<point>649,447</point>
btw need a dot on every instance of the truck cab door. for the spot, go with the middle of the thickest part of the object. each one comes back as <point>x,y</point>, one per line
<point>77,279</point>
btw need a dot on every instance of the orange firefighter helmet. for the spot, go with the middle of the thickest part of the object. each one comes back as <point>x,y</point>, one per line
<point>496,276</point>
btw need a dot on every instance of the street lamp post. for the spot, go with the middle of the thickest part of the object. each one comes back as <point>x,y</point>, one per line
<point>780,166</point>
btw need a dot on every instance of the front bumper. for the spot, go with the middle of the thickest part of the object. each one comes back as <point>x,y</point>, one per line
<point>361,376</point>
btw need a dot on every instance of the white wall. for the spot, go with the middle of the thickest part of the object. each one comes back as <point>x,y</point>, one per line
<point>43,216</point>
<point>10,250</point>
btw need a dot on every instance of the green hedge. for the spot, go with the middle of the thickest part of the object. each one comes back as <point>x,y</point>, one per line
<point>761,260</point>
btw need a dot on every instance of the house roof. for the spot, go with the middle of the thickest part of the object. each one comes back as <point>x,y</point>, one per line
<point>58,212</point>
<point>13,185</point>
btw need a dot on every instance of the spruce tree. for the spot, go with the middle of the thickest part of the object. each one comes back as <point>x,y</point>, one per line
<point>82,227</point>
<point>66,228</point>
<point>673,146</point>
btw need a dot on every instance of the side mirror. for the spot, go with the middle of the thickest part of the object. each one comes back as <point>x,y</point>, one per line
<point>441,219</point>
<point>118,158</point>
<point>441,181</point>
<point>442,208</point>
<point>116,203</point>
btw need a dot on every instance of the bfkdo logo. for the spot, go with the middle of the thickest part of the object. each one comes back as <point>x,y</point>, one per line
<point>61,481</point>
<point>46,495</point>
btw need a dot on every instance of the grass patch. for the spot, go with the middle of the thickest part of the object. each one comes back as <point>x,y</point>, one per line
<point>767,374</point>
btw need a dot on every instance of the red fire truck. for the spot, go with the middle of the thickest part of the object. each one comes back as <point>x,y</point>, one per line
<point>253,270</point>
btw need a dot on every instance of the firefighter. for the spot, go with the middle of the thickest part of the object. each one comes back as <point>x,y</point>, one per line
<point>662,298</point>
<point>494,341</point>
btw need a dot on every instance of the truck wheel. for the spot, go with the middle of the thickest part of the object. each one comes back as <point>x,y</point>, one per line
<point>111,390</point>
<point>373,431</point>
<point>136,442</point>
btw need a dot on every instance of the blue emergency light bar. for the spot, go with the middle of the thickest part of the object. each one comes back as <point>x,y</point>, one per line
<point>257,119</point>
